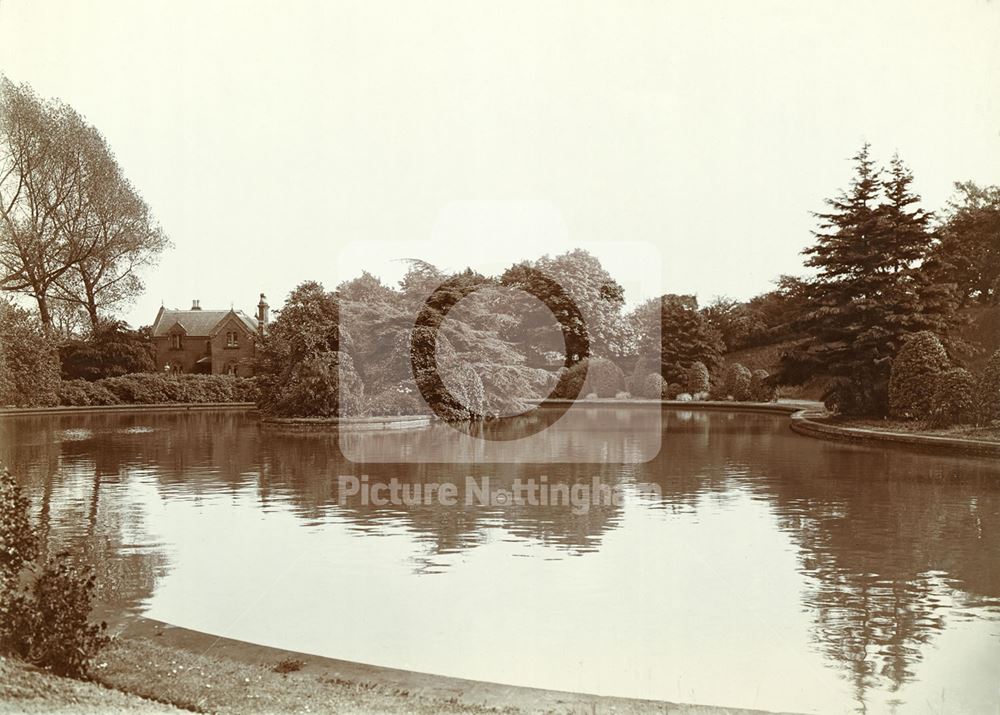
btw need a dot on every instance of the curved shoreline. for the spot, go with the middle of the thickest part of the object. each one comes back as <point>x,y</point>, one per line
<point>807,419</point>
<point>440,688</point>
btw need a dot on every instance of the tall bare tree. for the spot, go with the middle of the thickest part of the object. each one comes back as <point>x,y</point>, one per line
<point>71,226</point>
<point>127,239</point>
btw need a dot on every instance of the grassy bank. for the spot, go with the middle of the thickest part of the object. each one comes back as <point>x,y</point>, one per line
<point>984,434</point>
<point>26,689</point>
<point>137,676</point>
<point>156,668</point>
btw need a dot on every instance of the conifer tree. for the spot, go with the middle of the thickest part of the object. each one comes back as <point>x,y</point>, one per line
<point>869,292</point>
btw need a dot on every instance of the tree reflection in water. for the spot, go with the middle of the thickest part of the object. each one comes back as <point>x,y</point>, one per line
<point>893,545</point>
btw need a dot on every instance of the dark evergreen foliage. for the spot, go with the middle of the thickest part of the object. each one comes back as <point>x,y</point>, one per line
<point>870,291</point>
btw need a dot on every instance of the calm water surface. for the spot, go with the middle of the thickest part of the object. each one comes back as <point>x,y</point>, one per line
<point>772,571</point>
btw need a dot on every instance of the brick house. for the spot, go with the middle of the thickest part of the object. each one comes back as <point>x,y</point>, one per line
<point>215,342</point>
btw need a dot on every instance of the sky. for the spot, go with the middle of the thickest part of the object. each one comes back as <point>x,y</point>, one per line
<point>684,143</point>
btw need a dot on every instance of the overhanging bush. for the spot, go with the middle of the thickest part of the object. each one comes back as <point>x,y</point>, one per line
<point>44,609</point>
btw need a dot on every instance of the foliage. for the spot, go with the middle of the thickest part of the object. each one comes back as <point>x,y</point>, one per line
<point>764,319</point>
<point>111,349</point>
<point>300,364</point>
<point>72,226</point>
<point>673,331</point>
<point>698,379</point>
<point>650,386</point>
<point>911,381</point>
<point>154,388</point>
<point>953,402</point>
<point>672,391</point>
<point>83,393</point>
<point>871,288</point>
<point>320,385</point>
<point>394,401</point>
<point>589,285</point>
<point>736,382</point>
<point>857,396</point>
<point>44,609</point>
<point>969,251</point>
<point>18,542</point>
<point>604,377</point>
<point>571,381</point>
<point>761,388</point>
<point>29,366</point>
<point>988,391</point>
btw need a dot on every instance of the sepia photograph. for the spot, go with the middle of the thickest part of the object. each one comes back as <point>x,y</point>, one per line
<point>570,357</point>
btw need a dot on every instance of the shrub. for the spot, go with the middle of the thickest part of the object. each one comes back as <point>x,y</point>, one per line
<point>672,391</point>
<point>736,382</point>
<point>322,385</point>
<point>604,377</point>
<point>155,388</point>
<point>43,615</point>
<point>111,350</point>
<point>911,381</point>
<point>988,392</point>
<point>857,396</point>
<point>29,364</point>
<point>394,401</point>
<point>570,381</point>
<point>697,378</point>
<point>81,393</point>
<point>650,386</point>
<point>591,375</point>
<point>760,389</point>
<point>953,400</point>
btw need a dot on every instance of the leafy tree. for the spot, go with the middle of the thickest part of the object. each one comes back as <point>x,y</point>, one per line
<point>911,382</point>
<point>599,297</point>
<point>70,225</point>
<point>302,369</point>
<point>869,292</point>
<point>969,250</point>
<point>112,349</point>
<point>29,364</point>
<point>672,329</point>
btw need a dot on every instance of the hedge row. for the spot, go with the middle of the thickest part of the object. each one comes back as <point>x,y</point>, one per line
<point>154,388</point>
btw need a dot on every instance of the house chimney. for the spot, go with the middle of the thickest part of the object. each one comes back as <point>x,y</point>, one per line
<point>194,305</point>
<point>263,314</point>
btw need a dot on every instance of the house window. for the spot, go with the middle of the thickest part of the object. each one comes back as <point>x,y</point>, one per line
<point>175,341</point>
<point>232,339</point>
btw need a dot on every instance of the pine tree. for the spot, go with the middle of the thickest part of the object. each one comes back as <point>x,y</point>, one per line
<point>869,292</point>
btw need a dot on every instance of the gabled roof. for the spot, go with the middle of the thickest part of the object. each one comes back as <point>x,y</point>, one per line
<point>198,323</point>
